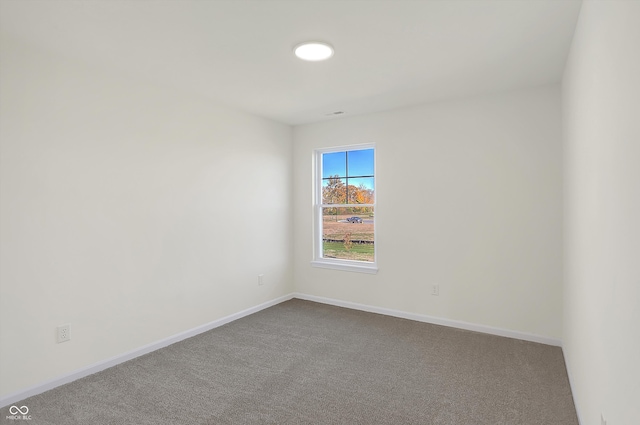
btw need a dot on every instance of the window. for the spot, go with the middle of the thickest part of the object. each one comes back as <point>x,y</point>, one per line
<point>344,208</point>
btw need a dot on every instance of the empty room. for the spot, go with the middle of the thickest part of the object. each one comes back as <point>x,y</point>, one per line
<point>320,212</point>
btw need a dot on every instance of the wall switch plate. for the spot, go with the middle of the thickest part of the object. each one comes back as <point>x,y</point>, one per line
<point>260,279</point>
<point>435,290</point>
<point>64,333</point>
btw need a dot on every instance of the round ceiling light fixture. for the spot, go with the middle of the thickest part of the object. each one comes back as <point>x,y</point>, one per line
<point>313,51</point>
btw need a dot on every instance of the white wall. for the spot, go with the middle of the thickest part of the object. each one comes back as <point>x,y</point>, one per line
<point>129,211</point>
<point>469,197</point>
<point>601,107</point>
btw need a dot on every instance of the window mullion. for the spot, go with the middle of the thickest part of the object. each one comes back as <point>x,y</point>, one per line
<point>346,205</point>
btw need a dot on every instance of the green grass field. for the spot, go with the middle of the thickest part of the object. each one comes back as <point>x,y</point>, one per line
<point>360,252</point>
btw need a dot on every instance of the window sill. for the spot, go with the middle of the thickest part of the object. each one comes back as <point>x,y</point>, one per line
<point>345,265</point>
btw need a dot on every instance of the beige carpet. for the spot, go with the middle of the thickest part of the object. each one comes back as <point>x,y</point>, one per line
<point>306,363</point>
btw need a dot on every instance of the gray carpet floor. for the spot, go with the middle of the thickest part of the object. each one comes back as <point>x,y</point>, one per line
<point>301,362</point>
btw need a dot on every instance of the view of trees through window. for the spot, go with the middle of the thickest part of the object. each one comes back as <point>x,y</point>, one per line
<point>348,193</point>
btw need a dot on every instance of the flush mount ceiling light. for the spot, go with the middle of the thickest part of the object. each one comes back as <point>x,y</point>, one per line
<point>313,51</point>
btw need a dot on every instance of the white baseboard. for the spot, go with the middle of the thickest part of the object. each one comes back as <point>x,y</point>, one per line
<point>97,367</point>
<point>433,320</point>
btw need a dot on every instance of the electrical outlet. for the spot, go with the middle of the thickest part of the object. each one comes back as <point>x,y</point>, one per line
<point>64,333</point>
<point>260,279</point>
<point>435,290</point>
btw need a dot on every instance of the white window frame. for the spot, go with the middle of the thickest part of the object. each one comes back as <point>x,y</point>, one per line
<point>335,263</point>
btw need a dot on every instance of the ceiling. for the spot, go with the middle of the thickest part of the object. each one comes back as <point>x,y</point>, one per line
<point>388,54</point>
